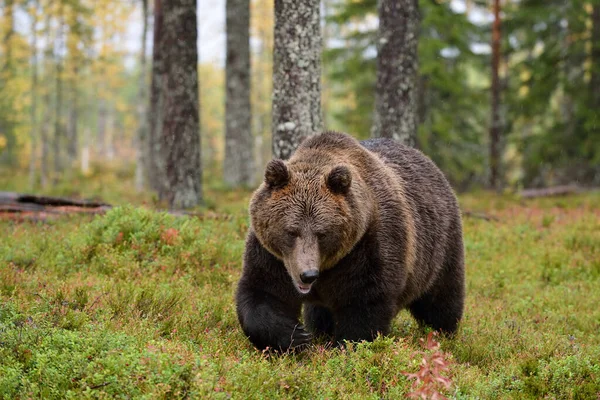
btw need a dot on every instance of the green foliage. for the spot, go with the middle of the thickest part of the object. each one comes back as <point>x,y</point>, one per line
<point>452,108</point>
<point>137,303</point>
<point>552,114</point>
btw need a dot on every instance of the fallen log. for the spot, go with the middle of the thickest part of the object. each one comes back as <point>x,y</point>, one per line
<point>562,190</point>
<point>477,215</point>
<point>19,198</point>
<point>27,207</point>
<point>21,207</point>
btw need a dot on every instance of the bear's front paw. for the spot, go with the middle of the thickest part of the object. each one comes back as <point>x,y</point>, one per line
<point>279,335</point>
<point>296,338</point>
<point>291,337</point>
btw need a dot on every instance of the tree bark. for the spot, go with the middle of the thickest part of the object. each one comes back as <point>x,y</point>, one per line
<point>34,88</point>
<point>85,152</point>
<point>176,103</point>
<point>7,39</point>
<point>73,137</point>
<point>155,173</point>
<point>58,127</point>
<point>109,137</point>
<point>495,93</point>
<point>595,76</point>
<point>141,155</point>
<point>238,166</point>
<point>397,68</point>
<point>47,104</point>
<point>296,74</point>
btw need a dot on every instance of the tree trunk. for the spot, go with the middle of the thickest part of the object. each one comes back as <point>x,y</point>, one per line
<point>156,170</point>
<point>141,136</point>
<point>495,117</point>
<point>238,166</point>
<point>109,137</point>
<point>34,88</point>
<point>10,31</point>
<point>595,76</point>
<point>296,74</point>
<point>47,104</point>
<point>58,127</point>
<point>73,145</point>
<point>397,68</point>
<point>177,126</point>
<point>101,128</point>
<point>85,152</point>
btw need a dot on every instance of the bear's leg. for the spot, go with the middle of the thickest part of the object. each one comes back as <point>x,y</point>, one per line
<point>442,307</point>
<point>318,320</point>
<point>363,321</point>
<point>269,322</point>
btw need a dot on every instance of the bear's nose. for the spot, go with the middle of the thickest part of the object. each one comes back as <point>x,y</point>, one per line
<point>309,276</point>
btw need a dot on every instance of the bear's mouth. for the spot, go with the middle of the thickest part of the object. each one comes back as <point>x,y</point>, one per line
<point>303,288</point>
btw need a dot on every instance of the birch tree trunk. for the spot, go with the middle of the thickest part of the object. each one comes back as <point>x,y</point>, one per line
<point>141,155</point>
<point>296,74</point>
<point>238,166</point>
<point>176,104</point>
<point>397,71</point>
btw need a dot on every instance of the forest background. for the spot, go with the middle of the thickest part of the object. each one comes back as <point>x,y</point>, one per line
<point>71,76</point>
<point>139,303</point>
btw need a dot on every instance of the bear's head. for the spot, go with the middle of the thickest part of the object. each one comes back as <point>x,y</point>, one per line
<point>310,215</point>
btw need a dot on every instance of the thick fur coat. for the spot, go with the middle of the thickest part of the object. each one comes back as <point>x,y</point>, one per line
<point>354,232</point>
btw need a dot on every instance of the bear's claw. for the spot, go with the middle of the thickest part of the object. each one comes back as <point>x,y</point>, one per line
<point>299,338</point>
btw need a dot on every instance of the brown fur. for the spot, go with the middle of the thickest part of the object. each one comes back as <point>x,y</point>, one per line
<point>377,220</point>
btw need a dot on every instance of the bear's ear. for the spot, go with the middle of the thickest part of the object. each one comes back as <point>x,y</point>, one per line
<point>277,174</point>
<point>339,179</point>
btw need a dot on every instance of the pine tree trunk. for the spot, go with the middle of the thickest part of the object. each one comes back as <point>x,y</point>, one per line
<point>101,128</point>
<point>296,74</point>
<point>109,137</point>
<point>156,169</point>
<point>397,71</point>
<point>58,123</point>
<point>141,155</point>
<point>595,76</point>
<point>47,114</point>
<point>495,93</point>
<point>7,39</point>
<point>238,167</point>
<point>34,88</point>
<point>176,104</point>
<point>73,145</point>
<point>85,152</point>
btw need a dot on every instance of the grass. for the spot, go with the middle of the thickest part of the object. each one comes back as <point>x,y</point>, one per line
<point>139,304</point>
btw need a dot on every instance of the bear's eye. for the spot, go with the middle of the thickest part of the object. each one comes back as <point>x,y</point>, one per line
<point>292,233</point>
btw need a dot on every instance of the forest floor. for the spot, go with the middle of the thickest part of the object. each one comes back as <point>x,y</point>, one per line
<point>139,304</point>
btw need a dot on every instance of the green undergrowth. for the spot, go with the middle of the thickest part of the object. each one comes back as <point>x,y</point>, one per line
<point>139,304</point>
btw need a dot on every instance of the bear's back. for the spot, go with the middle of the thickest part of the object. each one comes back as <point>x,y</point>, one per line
<point>422,179</point>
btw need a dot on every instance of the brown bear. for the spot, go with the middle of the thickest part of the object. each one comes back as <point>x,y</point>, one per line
<point>354,232</point>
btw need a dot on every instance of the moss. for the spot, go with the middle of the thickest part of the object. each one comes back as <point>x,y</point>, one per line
<point>139,304</point>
